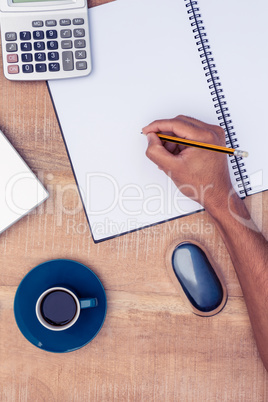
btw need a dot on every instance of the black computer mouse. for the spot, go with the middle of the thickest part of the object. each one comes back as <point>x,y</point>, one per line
<point>198,278</point>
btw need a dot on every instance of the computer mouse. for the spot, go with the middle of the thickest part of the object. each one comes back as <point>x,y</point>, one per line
<point>197,277</point>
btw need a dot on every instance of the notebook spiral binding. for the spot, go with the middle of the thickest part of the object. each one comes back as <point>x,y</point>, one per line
<point>217,94</point>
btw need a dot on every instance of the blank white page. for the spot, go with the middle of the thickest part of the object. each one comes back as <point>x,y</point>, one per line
<point>145,67</point>
<point>237,32</point>
<point>20,190</point>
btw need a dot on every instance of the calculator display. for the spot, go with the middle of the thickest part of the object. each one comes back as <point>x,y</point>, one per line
<point>29,1</point>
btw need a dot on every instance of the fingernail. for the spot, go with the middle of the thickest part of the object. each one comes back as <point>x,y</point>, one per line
<point>149,136</point>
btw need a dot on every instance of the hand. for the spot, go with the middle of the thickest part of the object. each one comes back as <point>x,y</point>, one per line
<point>199,174</point>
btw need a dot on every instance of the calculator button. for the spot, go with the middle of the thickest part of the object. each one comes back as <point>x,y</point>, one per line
<point>53,56</point>
<point>81,65</point>
<point>12,58</point>
<point>65,21</point>
<point>9,36</point>
<point>40,56</point>
<point>37,35</point>
<point>80,54</point>
<point>39,46</point>
<point>79,43</point>
<point>52,34</point>
<point>78,21</point>
<point>25,35</point>
<point>65,33</point>
<point>54,67</point>
<point>26,57</point>
<point>26,46</point>
<point>51,23</point>
<point>67,61</point>
<point>52,45</point>
<point>27,68</point>
<point>41,68</point>
<point>11,47</point>
<point>79,32</point>
<point>66,44</point>
<point>37,24</point>
<point>13,69</point>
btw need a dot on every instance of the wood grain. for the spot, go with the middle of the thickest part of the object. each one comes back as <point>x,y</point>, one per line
<point>151,347</point>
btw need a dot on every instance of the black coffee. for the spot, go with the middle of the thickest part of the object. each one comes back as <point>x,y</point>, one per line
<point>58,308</point>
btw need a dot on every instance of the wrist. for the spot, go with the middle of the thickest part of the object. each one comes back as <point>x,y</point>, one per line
<point>217,203</point>
<point>230,206</point>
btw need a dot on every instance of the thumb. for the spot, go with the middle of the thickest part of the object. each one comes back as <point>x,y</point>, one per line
<point>158,154</point>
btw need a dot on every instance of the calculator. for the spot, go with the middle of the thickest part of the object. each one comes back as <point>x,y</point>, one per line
<point>45,39</point>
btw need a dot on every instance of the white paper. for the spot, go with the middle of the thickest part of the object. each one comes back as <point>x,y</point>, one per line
<point>237,32</point>
<point>145,67</point>
<point>20,190</point>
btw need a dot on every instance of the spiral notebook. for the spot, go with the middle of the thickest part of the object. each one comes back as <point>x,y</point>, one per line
<point>155,59</point>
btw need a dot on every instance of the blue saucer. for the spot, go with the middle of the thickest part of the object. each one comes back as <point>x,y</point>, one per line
<point>67,273</point>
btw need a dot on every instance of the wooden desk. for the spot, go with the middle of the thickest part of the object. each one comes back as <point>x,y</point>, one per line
<point>151,348</point>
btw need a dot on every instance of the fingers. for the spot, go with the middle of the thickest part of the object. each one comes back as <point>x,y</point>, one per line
<point>176,126</point>
<point>170,146</point>
<point>209,127</point>
<point>159,154</point>
<point>187,127</point>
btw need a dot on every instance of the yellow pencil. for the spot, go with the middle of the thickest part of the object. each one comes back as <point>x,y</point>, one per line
<point>210,147</point>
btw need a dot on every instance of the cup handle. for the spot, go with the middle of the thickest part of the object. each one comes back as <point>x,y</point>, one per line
<point>86,303</point>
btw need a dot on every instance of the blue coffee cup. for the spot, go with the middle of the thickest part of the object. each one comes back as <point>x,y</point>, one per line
<point>58,308</point>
